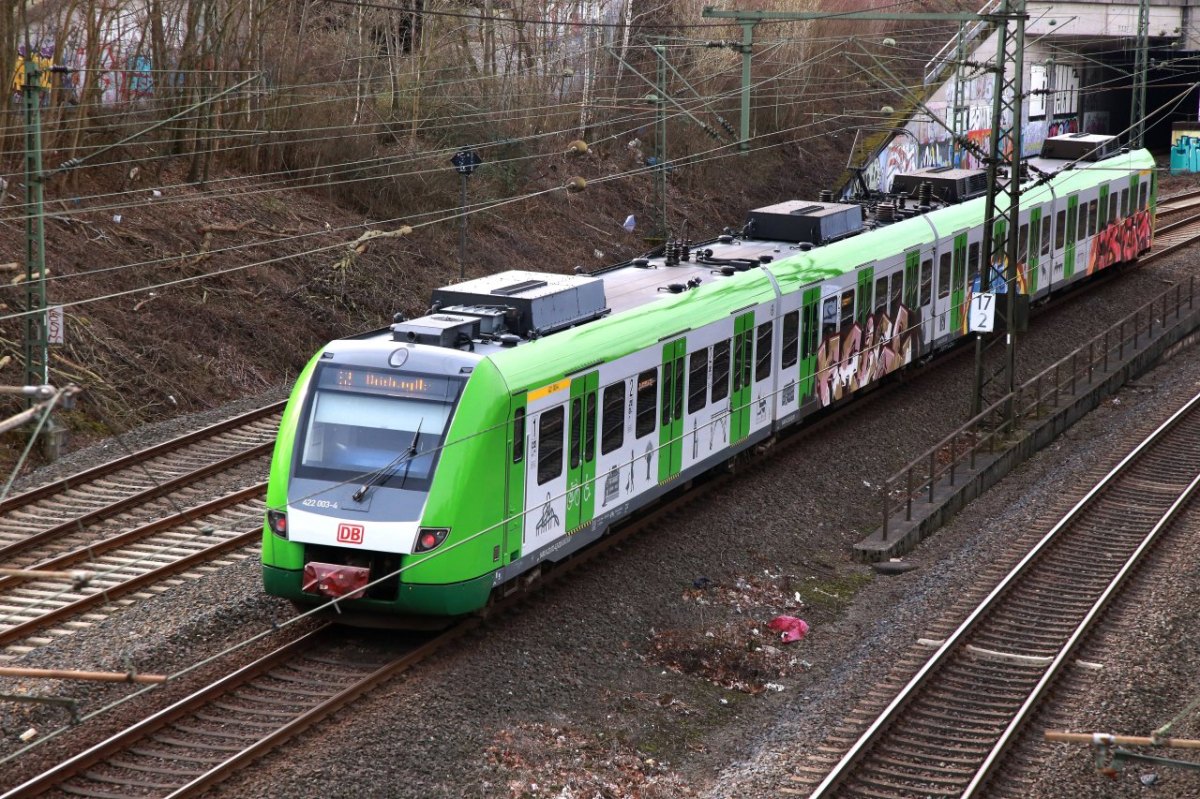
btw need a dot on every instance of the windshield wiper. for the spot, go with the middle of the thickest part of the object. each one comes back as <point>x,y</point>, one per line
<point>384,474</point>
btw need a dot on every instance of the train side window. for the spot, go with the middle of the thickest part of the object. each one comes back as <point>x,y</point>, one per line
<point>698,381</point>
<point>1023,244</point>
<point>1081,223</point>
<point>1046,235</point>
<point>1143,193</point>
<point>926,281</point>
<point>668,390</point>
<point>847,309</point>
<point>1060,230</point>
<point>576,431</point>
<point>518,446</point>
<point>829,317</point>
<point>550,445</point>
<point>791,340</point>
<point>678,402</point>
<point>1124,203</point>
<point>810,330</point>
<point>1112,207</point>
<point>647,396</point>
<point>612,431</point>
<point>944,276</point>
<point>897,293</point>
<point>973,264</point>
<point>1093,215</point>
<point>720,371</point>
<point>881,294</point>
<point>762,368</point>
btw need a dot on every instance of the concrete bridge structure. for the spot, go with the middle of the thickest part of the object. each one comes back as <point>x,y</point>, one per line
<point>1079,59</point>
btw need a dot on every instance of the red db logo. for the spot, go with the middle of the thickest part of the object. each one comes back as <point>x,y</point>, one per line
<point>350,533</point>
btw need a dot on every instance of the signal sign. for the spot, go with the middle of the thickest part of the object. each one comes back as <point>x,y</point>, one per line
<point>983,313</point>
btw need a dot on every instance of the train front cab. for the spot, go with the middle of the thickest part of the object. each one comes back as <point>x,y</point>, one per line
<point>379,494</point>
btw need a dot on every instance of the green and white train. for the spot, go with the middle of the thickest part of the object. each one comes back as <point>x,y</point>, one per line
<point>422,468</point>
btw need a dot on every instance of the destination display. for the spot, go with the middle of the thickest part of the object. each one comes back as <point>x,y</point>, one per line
<point>391,384</point>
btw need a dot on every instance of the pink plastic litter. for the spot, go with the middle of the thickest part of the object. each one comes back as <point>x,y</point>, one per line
<point>789,628</point>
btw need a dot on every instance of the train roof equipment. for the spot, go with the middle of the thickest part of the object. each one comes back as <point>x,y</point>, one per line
<point>1080,147</point>
<point>800,221</point>
<point>949,184</point>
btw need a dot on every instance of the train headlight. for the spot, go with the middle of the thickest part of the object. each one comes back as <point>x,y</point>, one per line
<point>430,538</point>
<point>277,521</point>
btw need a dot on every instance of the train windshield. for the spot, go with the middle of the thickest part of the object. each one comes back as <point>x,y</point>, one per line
<point>386,427</point>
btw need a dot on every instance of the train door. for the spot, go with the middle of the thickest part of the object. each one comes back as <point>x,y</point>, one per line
<point>1035,245</point>
<point>959,285</point>
<point>545,461</point>
<point>743,377</point>
<point>941,297</point>
<point>515,495</point>
<point>1072,222</point>
<point>810,332</point>
<point>670,431</point>
<point>581,454</point>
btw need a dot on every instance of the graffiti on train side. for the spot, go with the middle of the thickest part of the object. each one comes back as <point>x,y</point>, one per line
<point>862,353</point>
<point>1120,241</point>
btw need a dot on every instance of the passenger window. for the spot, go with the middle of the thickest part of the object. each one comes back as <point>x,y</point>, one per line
<point>576,420</point>
<point>791,339</point>
<point>1060,230</point>
<point>720,371</point>
<point>589,427</point>
<point>881,294</point>
<point>739,356</point>
<point>1143,191</point>
<point>647,382</point>
<point>612,433</point>
<point>1124,202</point>
<point>1023,244</point>
<point>1093,213</point>
<point>1112,207</point>
<point>847,309</point>
<point>944,276</point>
<point>763,351</point>
<point>677,404</point>
<point>518,445</point>
<point>668,383</point>
<point>829,317</point>
<point>1033,239</point>
<point>1046,235</point>
<point>1081,223</point>
<point>698,381</point>
<point>550,445</point>
<point>897,292</point>
<point>926,281</point>
<point>973,264</point>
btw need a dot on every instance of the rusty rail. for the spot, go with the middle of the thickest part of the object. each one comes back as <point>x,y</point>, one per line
<point>987,430</point>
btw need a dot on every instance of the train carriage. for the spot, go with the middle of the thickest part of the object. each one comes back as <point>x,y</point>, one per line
<point>422,467</point>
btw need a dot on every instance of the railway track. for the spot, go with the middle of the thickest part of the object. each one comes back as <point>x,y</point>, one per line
<point>947,730</point>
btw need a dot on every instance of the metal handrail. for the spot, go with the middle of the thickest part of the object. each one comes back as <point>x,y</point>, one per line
<point>992,424</point>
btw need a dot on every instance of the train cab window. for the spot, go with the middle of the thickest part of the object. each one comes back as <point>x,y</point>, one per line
<point>550,445</point>
<point>881,294</point>
<point>647,399</point>
<point>1046,235</point>
<point>791,340</point>
<point>1093,214</point>
<point>1023,244</point>
<point>847,309</point>
<point>829,319</point>
<point>897,293</point>
<point>1143,193</point>
<point>944,276</point>
<point>762,367</point>
<point>518,445</point>
<point>926,281</point>
<point>720,371</point>
<point>1112,207</point>
<point>612,430</point>
<point>698,381</point>
<point>1060,230</point>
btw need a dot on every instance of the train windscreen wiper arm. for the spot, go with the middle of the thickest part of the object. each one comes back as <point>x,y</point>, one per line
<point>386,472</point>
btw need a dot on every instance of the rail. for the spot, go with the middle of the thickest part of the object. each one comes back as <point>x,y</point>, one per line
<point>988,430</point>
